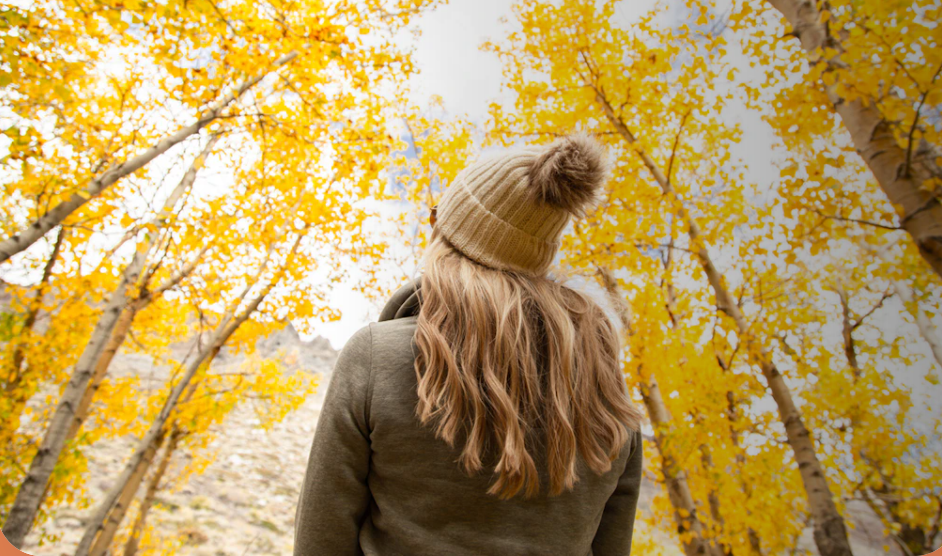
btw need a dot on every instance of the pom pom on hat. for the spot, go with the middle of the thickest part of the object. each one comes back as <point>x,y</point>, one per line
<point>569,173</point>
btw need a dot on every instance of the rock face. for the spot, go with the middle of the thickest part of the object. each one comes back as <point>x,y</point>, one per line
<point>286,343</point>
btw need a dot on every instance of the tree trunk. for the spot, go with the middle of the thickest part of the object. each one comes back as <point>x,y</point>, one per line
<point>81,411</point>
<point>15,398</point>
<point>706,454</point>
<point>121,329</point>
<point>847,331</point>
<point>686,517</point>
<point>228,324</point>
<point>901,172</point>
<point>134,540</point>
<point>910,539</point>
<point>32,490</point>
<point>830,533</point>
<point>29,235</point>
<point>128,492</point>
<point>713,499</point>
<point>99,522</point>
<point>732,414</point>
<point>31,314</point>
<point>67,418</point>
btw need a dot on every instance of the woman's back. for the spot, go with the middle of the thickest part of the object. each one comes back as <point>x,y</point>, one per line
<point>416,499</point>
<point>490,415</point>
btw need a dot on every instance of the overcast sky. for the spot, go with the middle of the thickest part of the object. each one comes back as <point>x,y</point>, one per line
<point>452,66</point>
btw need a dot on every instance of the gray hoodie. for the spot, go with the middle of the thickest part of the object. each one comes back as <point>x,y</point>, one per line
<point>379,483</point>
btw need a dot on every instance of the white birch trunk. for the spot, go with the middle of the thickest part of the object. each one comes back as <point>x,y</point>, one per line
<point>63,426</point>
<point>902,172</point>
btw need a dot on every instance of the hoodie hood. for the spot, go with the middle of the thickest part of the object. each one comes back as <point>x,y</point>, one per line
<point>404,302</point>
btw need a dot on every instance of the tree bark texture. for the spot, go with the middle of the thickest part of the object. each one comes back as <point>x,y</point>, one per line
<point>901,171</point>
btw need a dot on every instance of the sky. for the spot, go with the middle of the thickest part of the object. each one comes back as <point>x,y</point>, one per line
<point>451,65</point>
<point>450,61</point>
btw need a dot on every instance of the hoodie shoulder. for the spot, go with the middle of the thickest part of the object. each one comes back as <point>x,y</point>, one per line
<point>392,336</point>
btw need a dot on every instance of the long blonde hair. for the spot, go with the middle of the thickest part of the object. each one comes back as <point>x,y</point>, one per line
<point>504,356</point>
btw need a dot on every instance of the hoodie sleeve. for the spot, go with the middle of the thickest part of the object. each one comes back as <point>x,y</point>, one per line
<point>334,496</point>
<point>618,519</point>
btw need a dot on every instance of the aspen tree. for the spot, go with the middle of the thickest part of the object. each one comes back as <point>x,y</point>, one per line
<point>610,71</point>
<point>31,492</point>
<point>67,415</point>
<point>118,336</point>
<point>235,315</point>
<point>307,202</point>
<point>305,80</point>
<point>301,48</point>
<point>128,489</point>
<point>63,324</point>
<point>689,526</point>
<point>854,50</point>
<point>830,531</point>
<point>861,410</point>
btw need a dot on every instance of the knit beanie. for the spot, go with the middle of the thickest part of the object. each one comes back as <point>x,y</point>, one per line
<point>508,210</point>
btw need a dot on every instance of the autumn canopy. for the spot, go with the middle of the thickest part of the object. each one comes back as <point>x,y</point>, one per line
<point>182,179</point>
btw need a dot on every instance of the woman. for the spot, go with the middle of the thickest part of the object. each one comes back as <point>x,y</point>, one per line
<point>486,413</point>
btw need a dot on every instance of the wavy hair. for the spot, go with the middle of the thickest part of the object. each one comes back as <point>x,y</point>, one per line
<point>506,361</point>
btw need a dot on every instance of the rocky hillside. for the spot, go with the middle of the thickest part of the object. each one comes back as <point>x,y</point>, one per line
<point>244,502</point>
